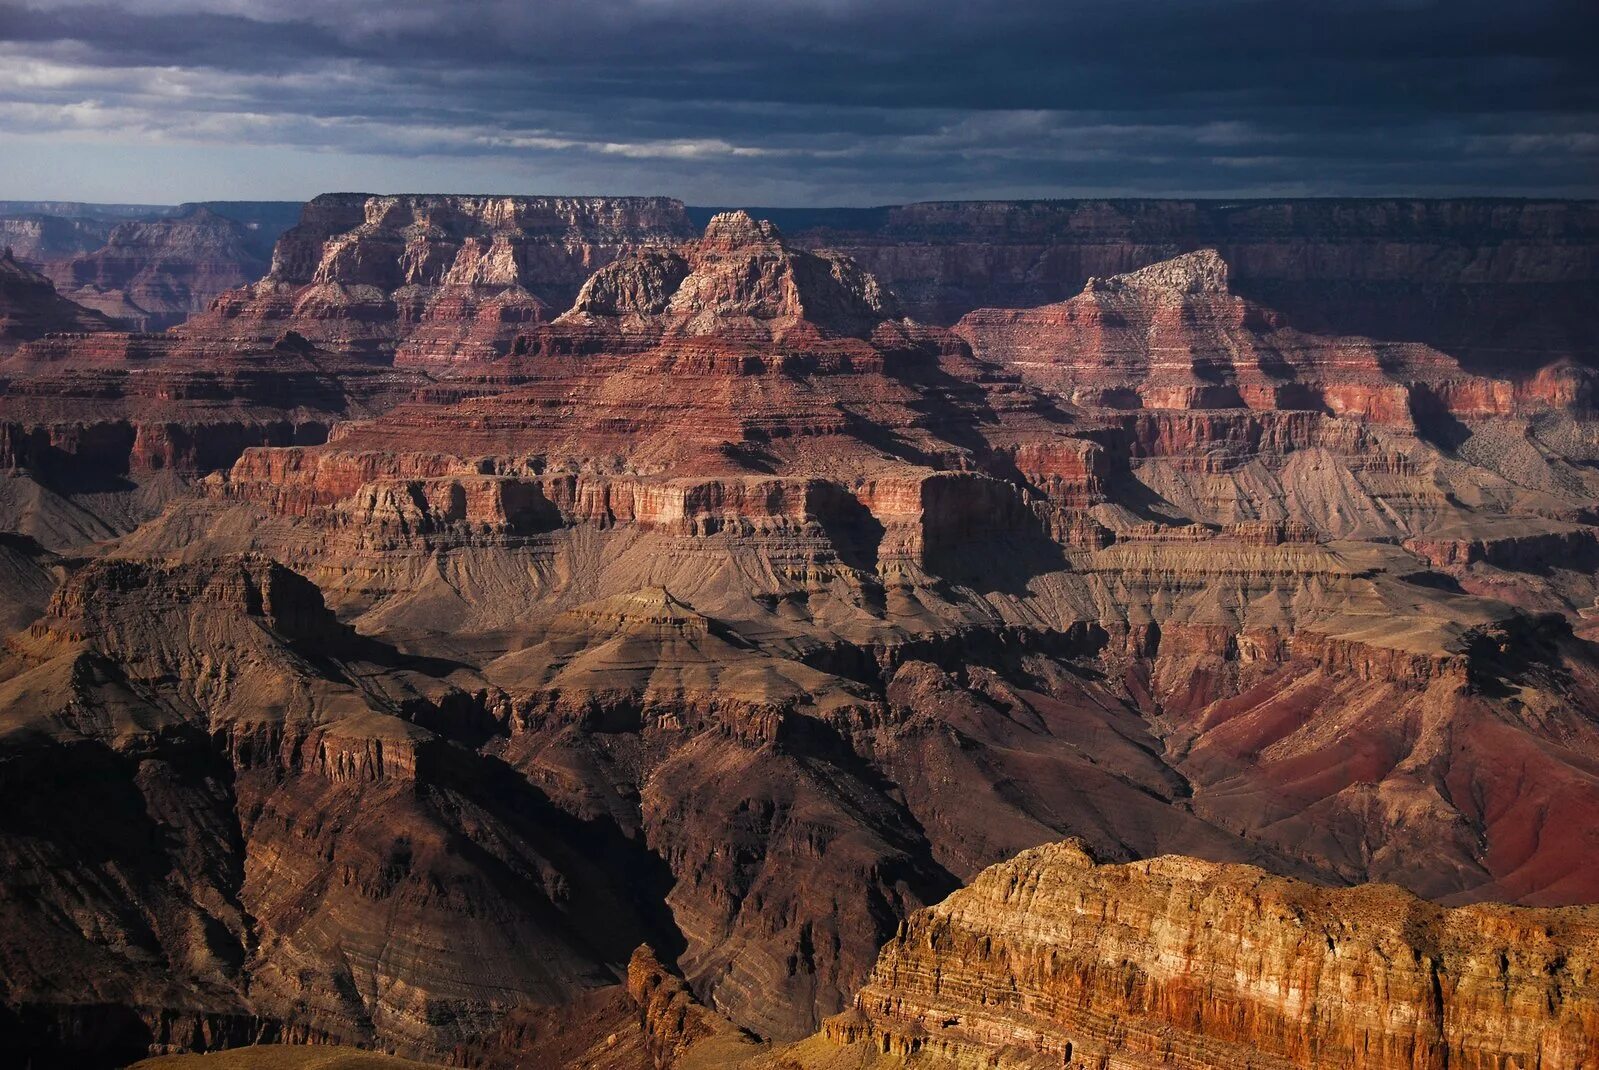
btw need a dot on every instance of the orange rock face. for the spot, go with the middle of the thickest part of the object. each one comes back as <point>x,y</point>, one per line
<point>1051,960</point>
<point>1173,336</point>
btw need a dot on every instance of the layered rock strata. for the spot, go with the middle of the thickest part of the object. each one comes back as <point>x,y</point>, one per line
<point>154,274</point>
<point>1052,960</point>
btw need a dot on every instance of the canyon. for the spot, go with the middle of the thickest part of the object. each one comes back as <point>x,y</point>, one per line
<point>144,266</point>
<point>596,632</point>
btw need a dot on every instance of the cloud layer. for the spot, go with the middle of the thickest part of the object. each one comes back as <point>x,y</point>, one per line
<point>784,101</point>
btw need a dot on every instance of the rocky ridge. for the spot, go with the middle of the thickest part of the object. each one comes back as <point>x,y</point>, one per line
<point>146,267</point>
<point>365,275</point>
<point>1495,283</point>
<point>150,275</point>
<point>1052,960</point>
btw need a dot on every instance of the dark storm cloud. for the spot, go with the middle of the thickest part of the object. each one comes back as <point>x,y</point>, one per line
<point>845,100</point>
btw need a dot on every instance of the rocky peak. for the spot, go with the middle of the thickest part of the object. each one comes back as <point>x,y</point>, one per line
<point>648,611</point>
<point>741,280</point>
<point>424,278</point>
<point>729,231</point>
<point>639,285</point>
<point>1202,271</point>
<point>13,270</point>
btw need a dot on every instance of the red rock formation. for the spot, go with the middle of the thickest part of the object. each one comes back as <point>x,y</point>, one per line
<point>369,275</point>
<point>678,1030</point>
<point>740,283</point>
<point>99,407</point>
<point>1505,286</point>
<point>731,611</point>
<point>1173,336</point>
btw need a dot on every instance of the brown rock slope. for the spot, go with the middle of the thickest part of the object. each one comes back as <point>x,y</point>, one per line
<point>262,838</point>
<point>850,485</point>
<point>153,274</point>
<point>282,1057</point>
<point>1052,960</point>
<point>98,431</point>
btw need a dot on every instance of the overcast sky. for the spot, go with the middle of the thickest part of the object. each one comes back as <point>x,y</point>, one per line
<point>793,102</point>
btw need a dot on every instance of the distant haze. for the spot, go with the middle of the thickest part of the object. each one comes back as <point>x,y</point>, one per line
<point>791,102</point>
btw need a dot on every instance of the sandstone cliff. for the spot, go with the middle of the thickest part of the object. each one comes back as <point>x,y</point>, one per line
<point>1052,960</point>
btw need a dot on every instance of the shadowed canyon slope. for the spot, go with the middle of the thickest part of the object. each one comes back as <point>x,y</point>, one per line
<point>31,308</point>
<point>1050,960</point>
<point>501,584</point>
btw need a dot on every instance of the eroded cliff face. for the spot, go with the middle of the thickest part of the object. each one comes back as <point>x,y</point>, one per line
<point>1052,960</point>
<point>98,431</point>
<point>263,839</point>
<point>731,611</point>
<point>429,274</point>
<point>1174,336</point>
<point>146,267</point>
<point>740,282</point>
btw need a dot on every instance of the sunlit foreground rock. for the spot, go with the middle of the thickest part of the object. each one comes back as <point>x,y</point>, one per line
<point>1051,960</point>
